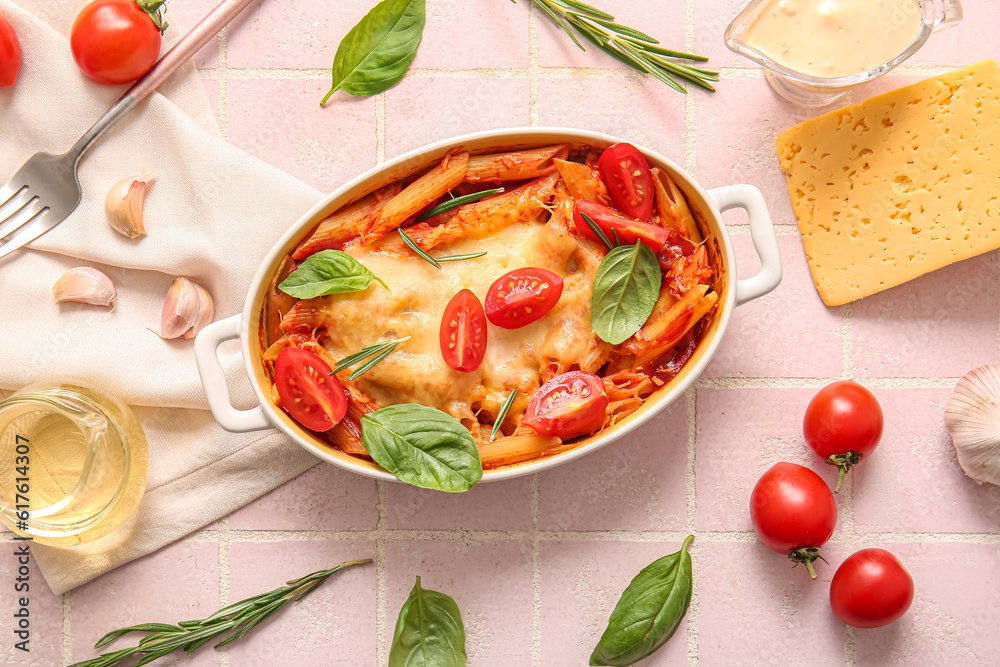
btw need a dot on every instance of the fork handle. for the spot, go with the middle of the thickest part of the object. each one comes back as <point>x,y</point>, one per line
<point>179,54</point>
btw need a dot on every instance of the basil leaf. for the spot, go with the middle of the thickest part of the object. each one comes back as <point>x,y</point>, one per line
<point>423,447</point>
<point>328,272</point>
<point>625,291</point>
<point>649,611</point>
<point>429,632</point>
<point>376,52</point>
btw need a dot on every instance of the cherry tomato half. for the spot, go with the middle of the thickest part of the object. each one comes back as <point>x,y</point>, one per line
<point>871,589</point>
<point>843,424</point>
<point>10,55</point>
<point>630,183</point>
<point>522,296</point>
<point>463,332</point>
<point>308,393</point>
<point>567,405</point>
<point>793,512</point>
<point>116,41</point>
<point>610,222</point>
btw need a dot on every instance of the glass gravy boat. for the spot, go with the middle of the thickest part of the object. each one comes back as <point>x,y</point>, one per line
<point>815,91</point>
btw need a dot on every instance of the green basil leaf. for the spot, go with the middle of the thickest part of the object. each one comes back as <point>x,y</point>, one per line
<point>429,632</point>
<point>625,291</point>
<point>423,447</point>
<point>376,52</point>
<point>649,611</point>
<point>328,272</point>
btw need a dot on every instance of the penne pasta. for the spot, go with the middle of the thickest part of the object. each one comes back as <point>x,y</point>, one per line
<point>515,449</point>
<point>516,166</point>
<point>673,207</point>
<point>345,225</point>
<point>664,332</point>
<point>347,436</point>
<point>417,196</point>
<point>583,182</point>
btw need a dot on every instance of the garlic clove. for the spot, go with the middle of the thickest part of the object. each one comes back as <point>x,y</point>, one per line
<point>973,420</point>
<point>123,205</point>
<point>85,285</point>
<point>187,310</point>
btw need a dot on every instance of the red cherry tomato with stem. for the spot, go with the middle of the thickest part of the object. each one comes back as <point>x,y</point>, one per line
<point>308,392</point>
<point>843,424</point>
<point>522,296</point>
<point>10,55</point>
<point>871,589</point>
<point>117,41</point>
<point>567,405</point>
<point>615,226</point>
<point>463,332</point>
<point>793,512</point>
<point>630,183</point>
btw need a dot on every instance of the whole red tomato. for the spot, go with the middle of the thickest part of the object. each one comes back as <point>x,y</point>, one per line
<point>793,512</point>
<point>117,41</point>
<point>10,55</point>
<point>843,424</point>
<point>871,589</point>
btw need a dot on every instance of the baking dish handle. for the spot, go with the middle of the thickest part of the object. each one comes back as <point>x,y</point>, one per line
<point>206,346</point>
<point>765,241</point>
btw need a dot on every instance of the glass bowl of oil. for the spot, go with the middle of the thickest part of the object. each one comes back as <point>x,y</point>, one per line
<point>74,462</point>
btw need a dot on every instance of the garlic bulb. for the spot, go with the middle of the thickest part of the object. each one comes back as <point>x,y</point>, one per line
<point>85,285</point>
<point>973,420</point>
<point>187,310</point>
<point>123,205</point>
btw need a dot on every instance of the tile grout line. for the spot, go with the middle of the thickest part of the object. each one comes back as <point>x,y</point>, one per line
<point>381,586</point>
<point>225,578</point>
<point>67,628</point>
<point>536,571</point>
<point>534,66</point>
<point>380,128</point>
<point>222,111</point>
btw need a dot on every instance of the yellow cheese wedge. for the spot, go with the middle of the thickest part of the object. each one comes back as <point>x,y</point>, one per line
<point>899,185</point>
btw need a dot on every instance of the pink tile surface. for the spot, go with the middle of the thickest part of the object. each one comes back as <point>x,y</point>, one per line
<point>913,482</point>
<point>457,34</point>
<point>787,333</point>
<point>655,115</point>
<point>182,16</point>
<point>741,434</point>
<point>490,582</point>
<point>335,625</point>
<point>710,20</point>
<point>753,587</point>
<point>282,123</point>
<point>972,40</point>
<point>953,618</point>
<point>940,325</point>
<point>636,483</point>
<point>44,639</point>
<point>458,106</point>
<point>581,583</point>
<point>177,583</point>
<point>505,506</point>
<point>323,498</point>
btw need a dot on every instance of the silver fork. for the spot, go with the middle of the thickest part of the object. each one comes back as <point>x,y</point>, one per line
<point>45,190</point>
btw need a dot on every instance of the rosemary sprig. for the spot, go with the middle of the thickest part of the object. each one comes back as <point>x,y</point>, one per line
<point>378,352</point>
<point>632,47</point>
<point>446,206</point>
<point>598,231</point>
<point>431,260</point>
<point>502,415</point>
<point>190,635</point>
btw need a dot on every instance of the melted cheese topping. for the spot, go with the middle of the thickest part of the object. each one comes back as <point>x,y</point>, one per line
<point>413,306</point>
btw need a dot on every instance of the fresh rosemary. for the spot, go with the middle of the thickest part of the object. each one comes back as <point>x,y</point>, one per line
<point>446,206</point>
<point>431,260</point>
<point>630,46</point>
<point>502,415</point>
<point>598,231</point>
<point>378,352</point>
<point>240,618</point>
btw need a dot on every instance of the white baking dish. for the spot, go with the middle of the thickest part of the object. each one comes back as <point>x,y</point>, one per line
<point>706,205</point>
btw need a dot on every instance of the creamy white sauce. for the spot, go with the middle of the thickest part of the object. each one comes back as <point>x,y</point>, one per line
<point>833,38</point>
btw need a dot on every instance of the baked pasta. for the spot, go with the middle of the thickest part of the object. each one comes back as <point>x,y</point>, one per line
<point>532,243</point>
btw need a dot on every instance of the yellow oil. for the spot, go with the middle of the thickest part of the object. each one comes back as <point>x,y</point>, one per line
<point>73,463</point>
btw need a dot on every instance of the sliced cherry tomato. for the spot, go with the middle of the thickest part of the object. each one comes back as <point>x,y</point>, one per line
<point>312,396</point>
<point>871,589</point>
<point>610,222</point>
<point>793,512</point>
<point>843,424</point>
<point>630,183</point>
<point>116,41</point>
<point>522,296</point>
<point>567,405</point>
<point>463,332</point>
<point>10,55</point>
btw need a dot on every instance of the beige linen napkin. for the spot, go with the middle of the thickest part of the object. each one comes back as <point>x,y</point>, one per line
<point>211,216</point>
